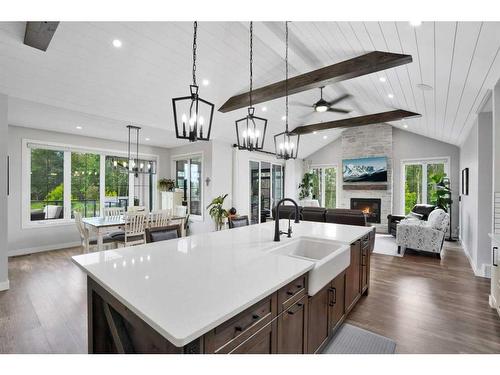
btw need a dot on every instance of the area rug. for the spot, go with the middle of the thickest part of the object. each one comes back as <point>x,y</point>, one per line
<point>386,244</point>
<point>350,339</point>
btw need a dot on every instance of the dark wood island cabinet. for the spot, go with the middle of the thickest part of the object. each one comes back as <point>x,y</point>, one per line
<point>286,322</point>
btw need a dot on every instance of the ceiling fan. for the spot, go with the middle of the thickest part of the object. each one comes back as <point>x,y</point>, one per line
<point>323,106</point>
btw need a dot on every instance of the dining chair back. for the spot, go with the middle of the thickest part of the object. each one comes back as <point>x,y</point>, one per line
<point>137,209</point>
<point>135,223</point>
<point>158,218</point>
<point>164,233</point>
<point>83,231</point>
<point>180,211</point>
<point>111,213</point>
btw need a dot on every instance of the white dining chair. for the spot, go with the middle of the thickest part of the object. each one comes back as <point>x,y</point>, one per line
<point>134,229</point>
<point>87,241</point>
<point>113,213</point>
<point>180,211</point>
<point>158,218</point>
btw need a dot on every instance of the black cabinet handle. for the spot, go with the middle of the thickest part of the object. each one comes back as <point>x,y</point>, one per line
<point>241,329</point>
<point>334,293</point>
<point>299,286</point>
<point>299,305</point>
<point>494,253</point>
<point>290,293</point>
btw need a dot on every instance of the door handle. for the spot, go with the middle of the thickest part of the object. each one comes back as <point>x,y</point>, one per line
<point>334,293</point>
<point>495,249</point>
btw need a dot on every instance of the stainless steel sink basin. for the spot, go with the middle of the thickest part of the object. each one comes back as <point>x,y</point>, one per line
<point>330,259</point>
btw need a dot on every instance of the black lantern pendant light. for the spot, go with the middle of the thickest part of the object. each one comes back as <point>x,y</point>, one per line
<point>251,130</point>
<point>287,143</point>
<point>192,114</point>
<point>134,164</point>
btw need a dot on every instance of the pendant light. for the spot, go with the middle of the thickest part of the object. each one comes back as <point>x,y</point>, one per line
<point>134,164</point>
<point>286,144</point>
<point>251,130</point>
<point>192,114</point>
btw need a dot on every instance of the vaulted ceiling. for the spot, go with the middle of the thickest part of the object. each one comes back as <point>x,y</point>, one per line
<point>82,80</point>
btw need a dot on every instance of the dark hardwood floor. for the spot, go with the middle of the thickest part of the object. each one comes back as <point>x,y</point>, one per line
<point>425,304</point>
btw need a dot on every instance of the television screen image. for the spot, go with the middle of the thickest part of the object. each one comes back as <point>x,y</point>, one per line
<point>365,169</point>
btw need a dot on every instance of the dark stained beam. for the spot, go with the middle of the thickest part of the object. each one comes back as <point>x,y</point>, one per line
<point>39,34</point>
<point>375,118</point>
<point>355,67</point>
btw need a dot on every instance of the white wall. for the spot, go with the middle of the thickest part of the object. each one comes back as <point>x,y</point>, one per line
<point>28,240</point>
<point>476,153</point>
<point>4,214</point>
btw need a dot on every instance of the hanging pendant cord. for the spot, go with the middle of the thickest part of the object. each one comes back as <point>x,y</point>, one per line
<point>286,75</point>
<point>251,63</point>
<point>194,51</point>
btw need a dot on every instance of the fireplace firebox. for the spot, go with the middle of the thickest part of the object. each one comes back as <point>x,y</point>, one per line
<point>370,206</point>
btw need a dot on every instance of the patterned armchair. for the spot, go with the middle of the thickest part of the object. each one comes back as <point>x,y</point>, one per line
<point>423,235</point>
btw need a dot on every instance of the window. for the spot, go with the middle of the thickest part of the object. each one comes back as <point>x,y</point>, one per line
<point>59,180</point>
<point>85,172</point>
<point>419,181</point>
<point>188,176</point>
<point>324,184</point>
<point>116,183</point>
<point>266,189</point>
<point>47,184</point>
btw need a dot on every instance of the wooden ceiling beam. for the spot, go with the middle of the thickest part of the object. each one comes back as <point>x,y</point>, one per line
<point>375,118</point>
<point>39,34</point>
<point>358,66</point>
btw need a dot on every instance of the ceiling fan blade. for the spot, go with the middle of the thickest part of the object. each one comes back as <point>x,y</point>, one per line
<point>301,104</point>
<point>339,99</point>
<point>339,110</point>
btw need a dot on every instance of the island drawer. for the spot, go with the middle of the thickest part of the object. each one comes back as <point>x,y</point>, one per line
<point>365,242</point>
<point>229,335</point>
<point>291,293</point>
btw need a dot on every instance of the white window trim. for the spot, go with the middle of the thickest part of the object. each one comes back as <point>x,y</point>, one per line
<point>26,222</point>
<point>188,156</point>
<point>424,162</point>
<point>337,179</point>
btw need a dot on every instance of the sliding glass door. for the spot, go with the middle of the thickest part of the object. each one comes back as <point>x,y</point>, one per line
<point>325,186</point>
<point>266,189</point>
<point>418,181</point>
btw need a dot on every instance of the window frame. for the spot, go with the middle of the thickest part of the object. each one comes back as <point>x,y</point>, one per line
<point>189,156</point>
<point>423,162</point>
<point>338,186</point>
<point>26,222</point>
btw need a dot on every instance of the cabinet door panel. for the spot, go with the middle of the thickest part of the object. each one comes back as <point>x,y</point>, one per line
<point>317,320</point>
<point>292,329</point>
<point>263,342</point>
<point>337,303</point>
<point>353,279</point>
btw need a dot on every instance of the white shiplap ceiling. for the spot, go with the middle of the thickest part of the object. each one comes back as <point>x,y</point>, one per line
<point>82,80</point>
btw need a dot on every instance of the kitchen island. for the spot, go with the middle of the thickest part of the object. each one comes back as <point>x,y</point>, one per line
<point>233,291</point>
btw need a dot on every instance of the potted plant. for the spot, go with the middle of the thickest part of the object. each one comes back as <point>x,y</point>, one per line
<point>217,212</point>
<point>306,185</point>
<point>166,184</point>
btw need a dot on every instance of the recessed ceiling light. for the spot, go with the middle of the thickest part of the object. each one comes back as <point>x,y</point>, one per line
<point>264,109</point>
<point>405,126</point>
<point>283,118</point>
<point>79,127</point>
<point>382,79</point>
<point>117,43</point>
<point>325,137</point>
<point>423,86</point>
<point>315,132</point>
<point>390,96</point>
<point>148,139</point>
<point>415,23</point>
<point>205,82</point>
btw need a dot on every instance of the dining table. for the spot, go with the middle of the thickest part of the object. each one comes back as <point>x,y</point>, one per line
<point>102,225</point>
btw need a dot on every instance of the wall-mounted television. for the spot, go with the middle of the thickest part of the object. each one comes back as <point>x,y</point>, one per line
<point>372,169</point>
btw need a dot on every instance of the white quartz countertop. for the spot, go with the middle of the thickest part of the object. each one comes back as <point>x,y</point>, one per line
<point>183,288</point>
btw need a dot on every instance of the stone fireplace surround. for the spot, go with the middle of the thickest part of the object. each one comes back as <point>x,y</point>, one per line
<point>367,141</point>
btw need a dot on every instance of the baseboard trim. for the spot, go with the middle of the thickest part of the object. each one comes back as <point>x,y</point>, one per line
<point>4,285</point>
<point>479,273</point>
<point>39,249</point>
